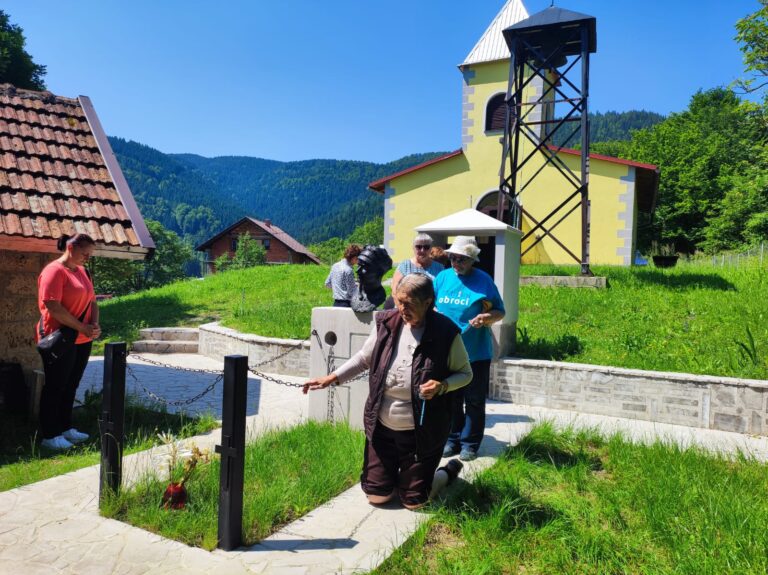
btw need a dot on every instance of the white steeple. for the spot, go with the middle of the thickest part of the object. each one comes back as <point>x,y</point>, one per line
<point>491,45</point>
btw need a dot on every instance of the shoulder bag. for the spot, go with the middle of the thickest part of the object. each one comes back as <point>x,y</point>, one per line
<point>59,342</point>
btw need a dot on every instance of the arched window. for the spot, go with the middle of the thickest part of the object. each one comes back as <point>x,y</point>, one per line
<point>495,113</point>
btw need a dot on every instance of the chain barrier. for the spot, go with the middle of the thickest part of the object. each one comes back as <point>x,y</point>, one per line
<point>330,363</point>
<point>179,402</point>
<point>176,367</point>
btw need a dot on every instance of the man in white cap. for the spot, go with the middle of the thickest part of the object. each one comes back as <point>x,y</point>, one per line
<point>469,297</point>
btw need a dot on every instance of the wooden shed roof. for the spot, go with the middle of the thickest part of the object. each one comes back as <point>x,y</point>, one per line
<point>59,176</point>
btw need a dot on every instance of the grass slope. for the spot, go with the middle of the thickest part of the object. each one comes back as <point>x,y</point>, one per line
<point>693,318</point>
<point>571,502</point>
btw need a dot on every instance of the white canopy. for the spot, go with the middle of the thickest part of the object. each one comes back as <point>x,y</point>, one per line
<point>467,222</point>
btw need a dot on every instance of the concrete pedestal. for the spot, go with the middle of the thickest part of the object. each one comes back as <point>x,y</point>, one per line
<point>342,333</point>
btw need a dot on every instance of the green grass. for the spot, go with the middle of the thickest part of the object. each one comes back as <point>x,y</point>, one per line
<point>693,318</point>
<point>23,461</point>
<point>567,502</point>
<point>274,301</point>
<point>287,474</point>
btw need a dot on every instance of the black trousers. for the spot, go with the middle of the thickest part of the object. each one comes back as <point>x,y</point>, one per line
<point>390,463</point>
<point>58,395</point>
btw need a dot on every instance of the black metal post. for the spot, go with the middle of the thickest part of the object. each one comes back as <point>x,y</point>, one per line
<point>232,450</point>
<point>111,423</point>
<point>585,231</point>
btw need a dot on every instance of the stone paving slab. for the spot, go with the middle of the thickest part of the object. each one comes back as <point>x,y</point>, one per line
<point>53,526</point>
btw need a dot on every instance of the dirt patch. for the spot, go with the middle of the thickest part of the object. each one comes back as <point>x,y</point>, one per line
<point>441,536</point>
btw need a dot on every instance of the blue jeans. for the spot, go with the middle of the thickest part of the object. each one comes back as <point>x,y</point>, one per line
<point>468,417</point>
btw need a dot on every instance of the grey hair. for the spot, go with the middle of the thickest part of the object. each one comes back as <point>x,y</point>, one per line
<point>422,238</point>
<point>418,286</point>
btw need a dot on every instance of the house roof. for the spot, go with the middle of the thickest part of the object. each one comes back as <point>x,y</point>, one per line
<point>492,46</point>
<point>58,175</point>
<point>269,228</point>
<point>646,182</point>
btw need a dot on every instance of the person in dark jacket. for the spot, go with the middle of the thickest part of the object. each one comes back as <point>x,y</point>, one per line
<point>416,357</point>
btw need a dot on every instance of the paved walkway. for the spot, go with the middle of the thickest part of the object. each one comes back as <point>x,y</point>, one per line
<point>53,526</point>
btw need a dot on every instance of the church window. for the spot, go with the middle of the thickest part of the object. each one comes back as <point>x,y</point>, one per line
<point>495,113</point>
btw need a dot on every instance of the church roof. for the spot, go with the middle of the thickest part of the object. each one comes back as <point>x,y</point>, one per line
<point>491,46</point>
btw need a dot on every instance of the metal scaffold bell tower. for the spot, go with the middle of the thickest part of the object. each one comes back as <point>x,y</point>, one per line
<point>546,111</point>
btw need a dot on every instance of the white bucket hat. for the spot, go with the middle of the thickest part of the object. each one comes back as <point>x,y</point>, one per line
<point>464,246</point>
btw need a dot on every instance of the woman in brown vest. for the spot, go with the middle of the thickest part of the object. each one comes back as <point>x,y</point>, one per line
<point>416,357</point>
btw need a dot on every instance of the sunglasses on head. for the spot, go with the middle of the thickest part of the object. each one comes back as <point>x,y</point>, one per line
<point>421,246</point>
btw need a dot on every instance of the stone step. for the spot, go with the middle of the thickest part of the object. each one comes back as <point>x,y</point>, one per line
<point>164,346</point>
<point>170,333</point>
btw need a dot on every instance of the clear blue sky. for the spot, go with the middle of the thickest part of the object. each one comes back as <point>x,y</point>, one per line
<point>344,79</point>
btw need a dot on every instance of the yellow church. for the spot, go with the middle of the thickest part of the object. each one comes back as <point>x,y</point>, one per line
<point>469,177</point>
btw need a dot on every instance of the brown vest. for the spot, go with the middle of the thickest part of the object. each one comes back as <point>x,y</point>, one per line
<point>430,361</point>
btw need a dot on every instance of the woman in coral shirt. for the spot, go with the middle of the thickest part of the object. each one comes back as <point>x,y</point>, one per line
<point>66,297</point>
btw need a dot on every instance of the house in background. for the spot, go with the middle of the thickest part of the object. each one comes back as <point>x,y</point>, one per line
<point>619,190</point>
<point>58,175</point>
<point>281,248</point>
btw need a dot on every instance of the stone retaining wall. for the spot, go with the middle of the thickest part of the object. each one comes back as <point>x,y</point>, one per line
<point>722,403</point>
<point>217,341</point>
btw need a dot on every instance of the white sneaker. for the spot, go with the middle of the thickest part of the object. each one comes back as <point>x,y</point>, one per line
<point>74,435</point>
<point>57,443</point>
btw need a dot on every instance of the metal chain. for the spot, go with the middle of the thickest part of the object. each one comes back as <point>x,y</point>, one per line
<point>274,379</point>
<point>176,403</point>
<point>330,366</point>
<point>171,366</point>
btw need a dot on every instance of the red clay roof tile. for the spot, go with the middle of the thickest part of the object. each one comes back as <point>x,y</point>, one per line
<point>119,232</point>
<point>26,226</point>
<point>20,202</point>
<point>43,227</point>
<point>12,224</point>
<point>76,207</point>
<point>55,228</point>
<point>28,181</point>
<point>131,235</point>
<point>106,232</point>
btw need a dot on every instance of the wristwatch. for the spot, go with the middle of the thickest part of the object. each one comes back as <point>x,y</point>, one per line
<point>442,388</point>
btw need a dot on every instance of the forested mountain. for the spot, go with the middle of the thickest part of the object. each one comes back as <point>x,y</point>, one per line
<point>197,197</point>
<point>609,126</point>
<point>313,200</point>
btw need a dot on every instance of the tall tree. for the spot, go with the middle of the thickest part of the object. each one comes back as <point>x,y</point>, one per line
<point>16,64</point>
<point>752,36</point>
<point>694,150</point>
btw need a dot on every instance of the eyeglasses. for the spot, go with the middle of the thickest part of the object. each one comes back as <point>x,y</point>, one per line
<point>458,259</point>
<point>421,247</point>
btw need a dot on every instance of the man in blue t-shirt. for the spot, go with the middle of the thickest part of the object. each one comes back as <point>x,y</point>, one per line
<point>469,297</point>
